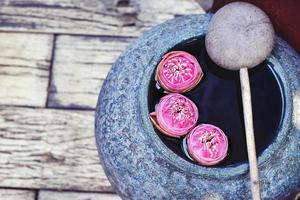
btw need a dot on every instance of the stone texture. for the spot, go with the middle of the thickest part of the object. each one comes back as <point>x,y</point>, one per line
<point>138,164</point>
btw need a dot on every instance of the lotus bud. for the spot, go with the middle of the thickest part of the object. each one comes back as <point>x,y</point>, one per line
<point>207,144</point>
<point>178,72</point>
<point>175,115</point>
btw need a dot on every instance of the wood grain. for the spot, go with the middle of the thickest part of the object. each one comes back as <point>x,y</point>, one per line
<point>51,149</point>
<point>249,130</point>
<point>12,194</point>
<point>24,68</point>
<point>53,195</point>
<point>89,17</point>
<point>80,67</point>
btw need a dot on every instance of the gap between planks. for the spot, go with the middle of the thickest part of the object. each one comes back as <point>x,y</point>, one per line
<point>63,72</point>
<point>51,68</point>
<point>79,69</point>
<point>75,88</point>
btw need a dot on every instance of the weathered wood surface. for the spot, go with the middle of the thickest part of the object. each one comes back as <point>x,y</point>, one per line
<point>55,149</point>
<point>12,194</point>
<point>90,17</point>
<point>24,68</point>
<point>80,65</point>
<point>52,195</point>
<point>51,149</point>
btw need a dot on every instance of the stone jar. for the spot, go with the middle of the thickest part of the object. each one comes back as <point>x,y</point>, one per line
<point>140,166</point>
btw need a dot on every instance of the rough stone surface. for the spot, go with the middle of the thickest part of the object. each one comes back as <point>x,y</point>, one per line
<point>140,166</point>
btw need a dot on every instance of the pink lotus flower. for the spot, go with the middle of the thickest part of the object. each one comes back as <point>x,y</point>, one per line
<point>178,72</point>
<point>207,144</point>
<point>175,115</point>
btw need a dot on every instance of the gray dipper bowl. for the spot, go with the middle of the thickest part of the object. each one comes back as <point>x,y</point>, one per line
<point>140,166</point>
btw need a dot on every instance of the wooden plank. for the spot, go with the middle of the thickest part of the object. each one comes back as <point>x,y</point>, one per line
<point>24,68</point>
<point>13,194</point>
<point>53,195</point>
<point>157,11</point>
<point>79,68</point>
<point>90,17</point>
<point>51,149</point>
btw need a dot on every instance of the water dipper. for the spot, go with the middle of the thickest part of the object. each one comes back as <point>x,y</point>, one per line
<point>241,36</point>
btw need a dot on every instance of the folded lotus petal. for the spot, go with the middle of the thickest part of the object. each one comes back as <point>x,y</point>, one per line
<point>178,72</point>
<point>153,119</point>
<point>207,144</point>
<point>175,115</point>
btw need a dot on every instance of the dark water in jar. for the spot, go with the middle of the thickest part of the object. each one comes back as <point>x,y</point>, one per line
<point>218,99</point>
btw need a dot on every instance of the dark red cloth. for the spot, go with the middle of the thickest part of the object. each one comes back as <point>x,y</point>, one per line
<point>284,14</point>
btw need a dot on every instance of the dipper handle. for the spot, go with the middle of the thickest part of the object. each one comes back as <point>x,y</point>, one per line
<point>248,120</point>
